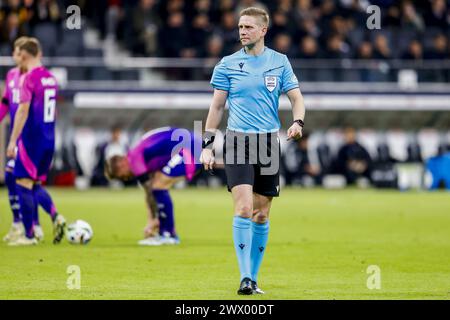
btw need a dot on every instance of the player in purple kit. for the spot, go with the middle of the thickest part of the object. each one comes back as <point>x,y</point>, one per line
<point>162,157</point>
<point>9,105</point>
<point>32,139</point>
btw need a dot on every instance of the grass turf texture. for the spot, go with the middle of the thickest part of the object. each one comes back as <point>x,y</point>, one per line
<point>320,245</point>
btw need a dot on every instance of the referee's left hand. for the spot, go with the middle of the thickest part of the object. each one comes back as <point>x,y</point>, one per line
<point>294,132</point>
<point>207,159</point>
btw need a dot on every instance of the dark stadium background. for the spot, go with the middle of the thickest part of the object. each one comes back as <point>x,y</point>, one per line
<point>137,65</point>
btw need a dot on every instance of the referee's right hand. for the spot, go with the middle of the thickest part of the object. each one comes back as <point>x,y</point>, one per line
<point>207,159</point>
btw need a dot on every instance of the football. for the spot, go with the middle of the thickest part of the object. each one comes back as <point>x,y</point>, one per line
<point>79,232</point>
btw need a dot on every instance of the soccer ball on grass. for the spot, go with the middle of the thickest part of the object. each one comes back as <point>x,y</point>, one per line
<point>79,232</point>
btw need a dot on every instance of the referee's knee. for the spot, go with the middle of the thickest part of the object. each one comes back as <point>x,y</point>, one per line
<point>261,216</point>
<point>244,211</point>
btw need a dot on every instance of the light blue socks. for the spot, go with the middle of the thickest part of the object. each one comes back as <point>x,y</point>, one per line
<point>250,240</point>
<point>259,241</point>
<point>242,237</point>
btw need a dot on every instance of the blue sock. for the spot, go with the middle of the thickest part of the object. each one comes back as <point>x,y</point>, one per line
<point>27,207</point>
<point>44,199</point>
<point>10,182</point>
<point>259,242</point>
<point>35,211</point>
<point>165,212</point>
<point>242,237</point>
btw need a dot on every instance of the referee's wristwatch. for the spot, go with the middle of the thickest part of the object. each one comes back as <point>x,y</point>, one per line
<point>208,140</point>
<point>300,122</point>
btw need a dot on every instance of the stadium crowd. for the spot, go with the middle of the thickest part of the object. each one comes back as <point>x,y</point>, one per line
<point>204,28</point>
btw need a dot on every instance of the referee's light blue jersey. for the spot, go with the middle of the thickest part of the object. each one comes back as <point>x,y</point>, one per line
<point>254,85</point>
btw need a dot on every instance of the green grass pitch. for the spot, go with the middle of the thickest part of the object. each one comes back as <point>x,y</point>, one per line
<point>321,244</point>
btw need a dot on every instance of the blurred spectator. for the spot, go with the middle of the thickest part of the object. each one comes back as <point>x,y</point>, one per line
<point>336,48</point>
<point>414,52</point>
<point>308,48</point>
<point>327,12</point>
<point>283,44</point>
<point>200,31</point>
<point>174,36</point>
<point>338,25</point>
<point>114,15</point>
<point>146,22</point>
<point>45,11</point>
<point>297,164</point>
<point>214,52</point>
<point>221,7</point>
<point>214,47</point>
<point>279,24</point>
<point>437,52</point>
<point>355,11</point>
<point>365,51</point>
<point>11,29</point>
<point>229,32</point>
<point>202,7</point>
<point>114,146</point>
<point>381,48</point>
<point>437,15</point>
<point>353,160</point>
<point>411,19</point>
<point>307,27</point>
<point>439,48</point>
<point>175,6</point>
<point>284,6</point>
<point>304,10</point>
<point>392,18</point>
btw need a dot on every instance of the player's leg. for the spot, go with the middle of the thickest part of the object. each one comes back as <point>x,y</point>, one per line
<point>16,229</point>
<point>240,175</point>
<point>260,234</point>
<point>38,231</point>
<point>161,184</point>
<point>25,192</point>
<point>25,173</point>
<point>242,233</point>
<point>175,170</point>
<point>267,181</point>
<point>44,199</point>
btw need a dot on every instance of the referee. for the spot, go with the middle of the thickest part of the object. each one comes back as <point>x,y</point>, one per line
<point>251,81</point>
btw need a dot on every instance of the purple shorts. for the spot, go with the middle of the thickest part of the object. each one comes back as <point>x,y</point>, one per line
<point>33,161</point>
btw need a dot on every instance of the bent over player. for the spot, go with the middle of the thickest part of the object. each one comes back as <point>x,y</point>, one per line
<point>33,138</point>
<point>162,157</point>
<point>9,105</point>
<point>251,80</point>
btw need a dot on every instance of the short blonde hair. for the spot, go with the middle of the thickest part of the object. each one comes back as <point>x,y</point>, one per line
<point>20,41</point>
<point>256,12</point>
<point>32,46</point>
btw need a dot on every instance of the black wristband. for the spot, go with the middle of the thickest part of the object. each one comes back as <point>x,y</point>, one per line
<point>300,122</point>
<point>5,101</point>
<point>208,140</point>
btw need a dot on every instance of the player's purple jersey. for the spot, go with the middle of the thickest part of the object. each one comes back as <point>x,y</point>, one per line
<point>39,88</point>
<point>156,149</point>
<point>10,99</point>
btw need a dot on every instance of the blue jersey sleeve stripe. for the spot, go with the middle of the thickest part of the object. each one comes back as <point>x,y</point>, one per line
<point>289,88</point>
<point>219,87</point>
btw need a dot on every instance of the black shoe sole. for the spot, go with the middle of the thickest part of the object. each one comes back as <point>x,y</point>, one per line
<point>245,292</point>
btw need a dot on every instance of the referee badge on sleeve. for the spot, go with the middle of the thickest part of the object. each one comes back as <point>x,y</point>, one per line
<point>271,82</point>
